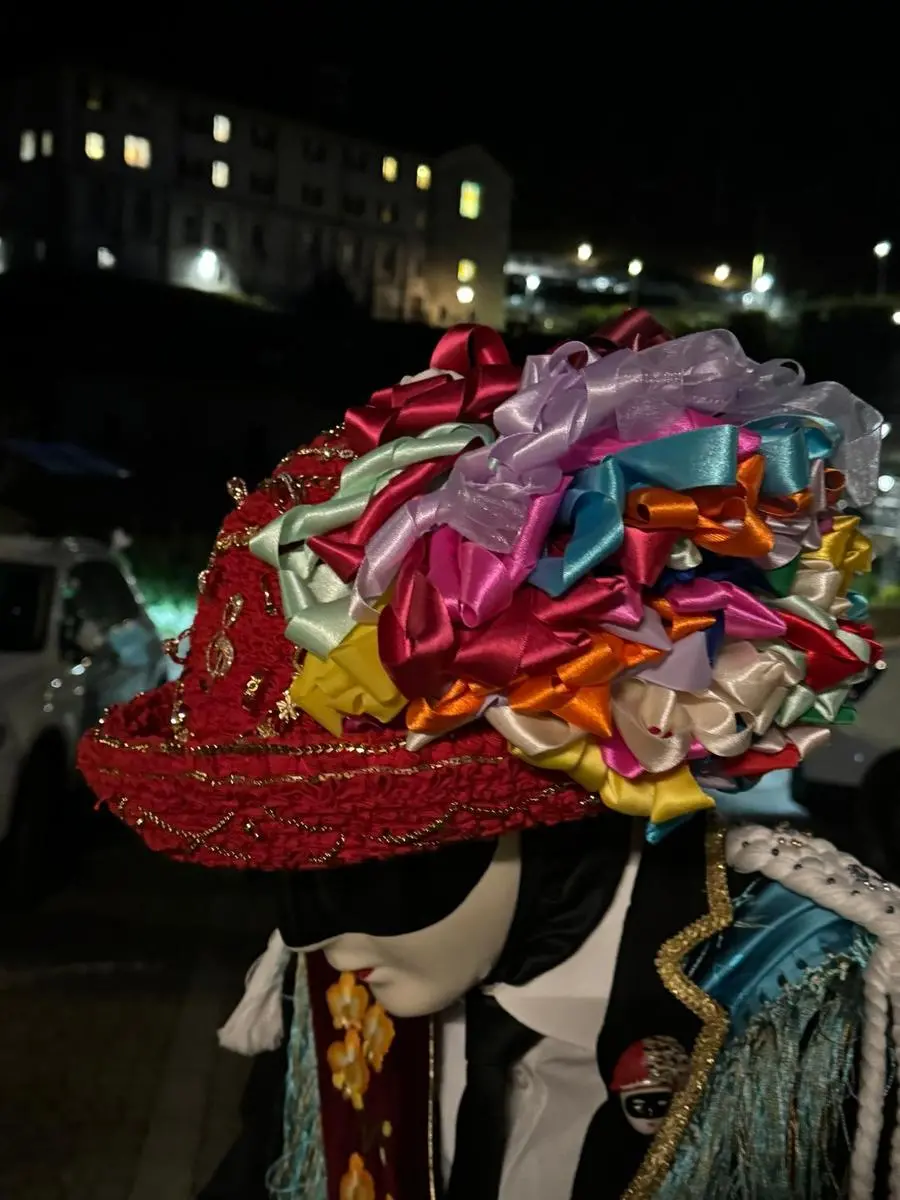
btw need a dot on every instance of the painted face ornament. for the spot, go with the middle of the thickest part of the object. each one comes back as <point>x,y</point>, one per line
<point>646,1078</point>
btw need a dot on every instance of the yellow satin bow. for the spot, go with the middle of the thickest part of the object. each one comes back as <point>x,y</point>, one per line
<point>350,682</point>
<point>848,550</point>
<point>658,797</point>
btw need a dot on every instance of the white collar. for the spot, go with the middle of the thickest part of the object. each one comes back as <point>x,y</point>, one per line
<point>569,1002</point>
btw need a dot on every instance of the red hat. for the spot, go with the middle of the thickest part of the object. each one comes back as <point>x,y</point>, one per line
<point>654,1062</point>
<point>221,768</point>
<point>482,605</point>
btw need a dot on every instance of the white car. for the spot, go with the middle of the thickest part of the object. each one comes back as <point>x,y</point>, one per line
<point>74,638</point>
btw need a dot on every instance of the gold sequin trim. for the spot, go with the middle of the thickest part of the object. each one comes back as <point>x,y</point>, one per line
<point>238,537</point>
<point>233,610</point>
<point>325,452</point>
<point>170,647</point>
<point>265,781</point>
<point>177,720</point>
<point>251,687</point>
<point>669,964</point>
<point>220,655</point>
<point>208,749</point>
<point>194,840</point>
<point>419,837</point>
<point>237,489</point>
<point>270,605</point>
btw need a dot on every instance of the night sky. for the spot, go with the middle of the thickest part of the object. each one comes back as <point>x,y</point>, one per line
<point>684,172</point>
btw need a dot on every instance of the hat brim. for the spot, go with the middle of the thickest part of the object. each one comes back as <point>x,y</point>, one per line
<point>309,800</point>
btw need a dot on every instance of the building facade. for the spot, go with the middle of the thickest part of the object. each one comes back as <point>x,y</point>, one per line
<point>103,172</point>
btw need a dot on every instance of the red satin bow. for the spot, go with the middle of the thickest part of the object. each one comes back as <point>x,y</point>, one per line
<point>828,661</point>
<point>475,352</point>
<point>633,330</point>
<point>423,651</point>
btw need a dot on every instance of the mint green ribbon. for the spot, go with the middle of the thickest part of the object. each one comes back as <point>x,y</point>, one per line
<point>315,600</point>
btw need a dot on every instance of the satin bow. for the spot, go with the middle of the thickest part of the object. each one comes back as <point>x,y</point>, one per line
<point>423,649</point>
<point>314,598</point>
<point>470,375</point>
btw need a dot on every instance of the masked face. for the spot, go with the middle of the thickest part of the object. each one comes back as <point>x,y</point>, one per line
<point>444,948</point>
<point>645,1108</point>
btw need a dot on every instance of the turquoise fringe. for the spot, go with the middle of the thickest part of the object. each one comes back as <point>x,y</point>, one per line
<point>772,1114</point>
<point>300,1172</point>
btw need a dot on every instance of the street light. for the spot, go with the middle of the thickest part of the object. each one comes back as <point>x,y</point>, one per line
<point>764,284</point>
<point>585,252</point>
<point>721,273</point>
<point>465,294</point>
<point>635,267</point>
<point>895,317</point>
<point>881,250</point>
<point>532,283</point>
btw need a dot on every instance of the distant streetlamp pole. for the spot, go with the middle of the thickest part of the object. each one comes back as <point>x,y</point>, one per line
<point>881,250</point>
<point>634,270</point>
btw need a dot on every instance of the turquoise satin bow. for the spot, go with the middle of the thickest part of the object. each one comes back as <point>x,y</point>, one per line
<point>594,502</point>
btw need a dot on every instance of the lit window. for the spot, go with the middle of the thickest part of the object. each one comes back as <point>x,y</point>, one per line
<point>94,98</point>
<point>27,145</point>
<point>137,151</point>
<point>221,128</point>
<point>220,174</point>
<point>465,270</point>
<point>389,169</point>
<point>94,145</point>
<point>47,143</point>
<point>469,199</point>
<point>105,258</point>
<point>423,177</point>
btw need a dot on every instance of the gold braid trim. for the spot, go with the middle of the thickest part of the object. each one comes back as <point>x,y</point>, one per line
<point>711,1037</point>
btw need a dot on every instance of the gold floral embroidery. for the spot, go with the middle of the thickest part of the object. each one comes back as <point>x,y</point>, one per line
<point>347,1002</point>
<point>368,1037</point>
<point>349,1069</point>
<point>378,1034</point>
<point>357,1183</point>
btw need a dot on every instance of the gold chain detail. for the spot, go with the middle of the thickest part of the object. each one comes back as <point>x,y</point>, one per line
<point>669,964</point>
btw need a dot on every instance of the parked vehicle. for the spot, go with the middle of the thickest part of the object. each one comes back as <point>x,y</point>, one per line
<point>74,638</point>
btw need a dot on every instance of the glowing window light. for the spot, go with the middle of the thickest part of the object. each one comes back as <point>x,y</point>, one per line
<point>95,146</point>
<point>469,199</point>
<point>27,145</point>
<point>221,128</point>
<point>466,270</point>
<point>423,177</point>
<point>137,152</point>
<point>220,174</point>
<point>389,169</point>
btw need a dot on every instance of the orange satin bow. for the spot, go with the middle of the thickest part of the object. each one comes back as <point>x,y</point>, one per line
<point>724,519</point>
<point>576,691</point>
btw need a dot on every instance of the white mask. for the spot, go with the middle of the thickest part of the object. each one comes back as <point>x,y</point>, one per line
<point>416,974</point>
